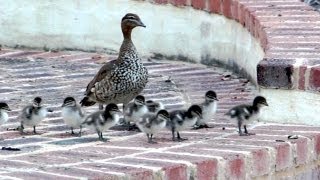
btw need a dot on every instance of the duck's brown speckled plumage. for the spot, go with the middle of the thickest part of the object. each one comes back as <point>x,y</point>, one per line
<point>122,79</point>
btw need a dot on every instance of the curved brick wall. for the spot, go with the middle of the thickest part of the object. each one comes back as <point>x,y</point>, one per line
<point>288,31</point>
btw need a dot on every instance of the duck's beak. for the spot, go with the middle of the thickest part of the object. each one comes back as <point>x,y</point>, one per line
<point>141,24</point>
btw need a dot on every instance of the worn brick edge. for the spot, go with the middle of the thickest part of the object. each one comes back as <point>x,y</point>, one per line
<point>288,31</point>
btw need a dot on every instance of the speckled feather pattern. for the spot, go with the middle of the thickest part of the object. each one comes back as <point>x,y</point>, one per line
<point>126,79</point>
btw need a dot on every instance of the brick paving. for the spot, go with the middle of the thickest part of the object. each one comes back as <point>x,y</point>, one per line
<point>209,153</point>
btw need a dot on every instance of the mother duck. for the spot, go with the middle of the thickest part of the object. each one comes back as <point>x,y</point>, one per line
<point>122,79</point>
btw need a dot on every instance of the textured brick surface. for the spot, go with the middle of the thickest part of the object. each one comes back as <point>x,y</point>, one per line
<point>214,153</point>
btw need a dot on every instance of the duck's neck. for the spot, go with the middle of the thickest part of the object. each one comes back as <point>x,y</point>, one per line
<point>126,31</point>
<point>127,48</point>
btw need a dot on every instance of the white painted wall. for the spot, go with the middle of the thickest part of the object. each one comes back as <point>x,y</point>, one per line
<point>291,106</point>
<point>95,24</point>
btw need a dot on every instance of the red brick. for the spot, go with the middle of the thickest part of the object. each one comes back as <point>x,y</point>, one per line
<point>235,9</point>
<point>317,144</point>
<point>241,14</point>
<point>226,8</point>
<point>261,162</point>
<point>171,170</point>
<point>215,6</point>
<point>207,170</point>
<point>76,172</point>
<point>198,4</point>
<point>302,77</point>
<point>175,172</point>
<point>161,1</point>
<point>133,172</point>
<point>283,157</point>
<point>179,2</point>
<point>314,78</point>
<point>301,150</point>
<point>236,169</point>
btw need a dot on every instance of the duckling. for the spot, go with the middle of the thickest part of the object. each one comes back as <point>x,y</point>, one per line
<point>4,108</point>
<point>209,108</point>
<point>152,123</point>
<point>33,114</point>
<point>247,113</point>
<point>135,110</point>
<point>72,114</point>
<point>122,79</point>
<point>102,120</point>
<point>182,119</point>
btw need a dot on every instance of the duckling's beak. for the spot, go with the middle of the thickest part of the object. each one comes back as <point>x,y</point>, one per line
<point>200,115</point>
<point>266,104</point>
<point>216,99</point>
<point>8,109</point>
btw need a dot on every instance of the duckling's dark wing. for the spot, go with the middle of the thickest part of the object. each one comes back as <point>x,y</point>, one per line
<point>91,119</point>
<point>177,117</point>
<point>104,71</point>
<point>244,110</point>
<point>27,112</point>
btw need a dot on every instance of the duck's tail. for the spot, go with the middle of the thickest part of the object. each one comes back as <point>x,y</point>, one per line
<point>87,102</point>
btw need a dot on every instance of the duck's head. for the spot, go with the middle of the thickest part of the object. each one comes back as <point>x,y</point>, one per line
<point>131,21</point>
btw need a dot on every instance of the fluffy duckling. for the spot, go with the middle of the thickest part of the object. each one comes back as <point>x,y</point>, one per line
<point>72,114</point>
<point>209,108</point>
<point>135,110</point>
<point>33,114</point>
<point>152,123</point>
<point>182,119</point>
<point>102,120</point>
<point>247,113</point>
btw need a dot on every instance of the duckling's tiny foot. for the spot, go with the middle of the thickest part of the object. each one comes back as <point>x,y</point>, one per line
<point>182,139</point>
<point>249,134</point>
<point>152,142</point>
<point>104,139</point>
<point>243,134</point>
